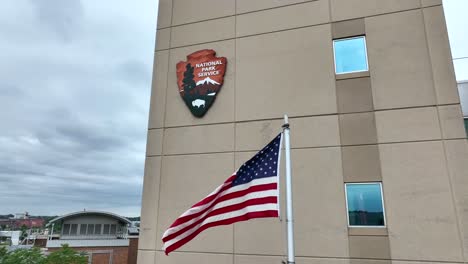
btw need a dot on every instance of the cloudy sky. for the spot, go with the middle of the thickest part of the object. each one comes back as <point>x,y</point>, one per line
<point>75,81</point>
<point>74,93</point>
<point>457,24</point>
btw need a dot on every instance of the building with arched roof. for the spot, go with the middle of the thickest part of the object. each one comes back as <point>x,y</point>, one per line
<point>104,236</point>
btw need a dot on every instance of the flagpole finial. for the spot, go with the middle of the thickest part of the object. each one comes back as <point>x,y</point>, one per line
<point>286,122</point>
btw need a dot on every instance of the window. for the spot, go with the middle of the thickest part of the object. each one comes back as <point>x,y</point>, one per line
<point>97,229</point>
<point>66,229</point>
<point>83,229</point>
<point>112,229</point>
<point>350,55</point>
<point>106,229</point>
<point>73,229</point>
<point>91,229</point>
<point>364,203</point>
<point>466,125</point>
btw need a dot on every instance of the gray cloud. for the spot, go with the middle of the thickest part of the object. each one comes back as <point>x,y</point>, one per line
<point>61,17</point>
<point>75,81</point>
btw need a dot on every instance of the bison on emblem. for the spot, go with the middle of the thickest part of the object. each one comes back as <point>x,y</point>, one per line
<point>199,80</point>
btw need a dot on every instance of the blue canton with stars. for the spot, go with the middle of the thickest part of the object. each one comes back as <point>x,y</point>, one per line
<point>264,164</point>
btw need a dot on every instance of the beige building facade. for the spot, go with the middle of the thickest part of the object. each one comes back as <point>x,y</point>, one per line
<point>399,124</point>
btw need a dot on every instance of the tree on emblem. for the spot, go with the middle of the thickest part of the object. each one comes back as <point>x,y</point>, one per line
<point>199,79</point>
<point>188,81</point>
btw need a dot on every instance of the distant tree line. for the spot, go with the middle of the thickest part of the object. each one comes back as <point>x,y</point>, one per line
<point>65,255</point>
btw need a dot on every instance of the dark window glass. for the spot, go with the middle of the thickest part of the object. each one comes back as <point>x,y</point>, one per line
<point>91,229</point>
<point>106,229</point>
<point>112,229</point>
<point>83,229</point>
<point>97,229</point>
<point>365,206</point>
<point>350,55</point>
<point>73,229</point>
<point>66,229</point>
<point>466,125</point>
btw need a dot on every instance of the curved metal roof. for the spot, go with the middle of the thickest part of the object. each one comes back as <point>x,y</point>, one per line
<point>108,214</point>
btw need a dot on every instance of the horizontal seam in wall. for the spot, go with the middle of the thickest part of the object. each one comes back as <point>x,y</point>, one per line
<point>198,21</point>
<point>299,148</point>
<point>248,121</point>
<point>293,4</point>
<point>433,5</point>
<point>354,77</point>
<point>316,257</point>
<point>196,44</point>
<point>299,116</point>
<point>370,235</point>
<point>276,31</point>
<point>234,151</point>
<point>237,14</point>
<point>414,107</point>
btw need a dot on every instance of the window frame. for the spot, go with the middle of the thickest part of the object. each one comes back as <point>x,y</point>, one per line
<point>83,231</point>
<point>98,229</point>
<point>381,198</point>
<point>365,49</point>
<point>66,227</point>
<point>75,232</point>
<point>104,229</point>
<point>465,124</point>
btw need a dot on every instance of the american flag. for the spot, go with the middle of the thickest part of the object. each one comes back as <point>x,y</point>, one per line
<point>251,192</point>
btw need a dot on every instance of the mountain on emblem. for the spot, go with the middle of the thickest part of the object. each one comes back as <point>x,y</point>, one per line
<point>207,80</point>
<point>199,80</point>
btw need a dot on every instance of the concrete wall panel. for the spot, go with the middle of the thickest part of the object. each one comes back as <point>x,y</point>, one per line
<point>202,32</point>
<point>457,157</point>
<point>164,13</point>
<point>316,131</point>
<point>149,205</point>
<point>348,9</point>
<point>244,6</point>
<point>399,62</point>
<point>263,62</point>
<point>154,143</point>
<point>441,57</point>
<point>189,258</point>
<point>199,139</point>
<point>189,11</point>
<point>158,90</point>
<point>451,119</point>
<point>163,39</point>
<point>419,207</point>
<point>146,257</point>
<point>408,125</point>
<point>186,179</point>
<point>300,15</point>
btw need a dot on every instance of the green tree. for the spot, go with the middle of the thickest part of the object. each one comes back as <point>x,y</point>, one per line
<point>23,256</point>
<point>24,233</point>
<point>66,255</point>
<point>188,81</point>
<point>3,252</point>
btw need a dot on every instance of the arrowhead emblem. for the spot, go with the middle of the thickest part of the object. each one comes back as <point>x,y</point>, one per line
<point>199,80</point>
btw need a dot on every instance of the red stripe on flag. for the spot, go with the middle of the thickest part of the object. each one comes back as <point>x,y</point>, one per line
<point>245,217</point>
<point>223,210</point>
<point>211,197</point>
<point>255,188</point>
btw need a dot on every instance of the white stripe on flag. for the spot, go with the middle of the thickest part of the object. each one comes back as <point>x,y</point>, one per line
<point>237,188</point>
<point>243,211</point>
<point>249,196</point>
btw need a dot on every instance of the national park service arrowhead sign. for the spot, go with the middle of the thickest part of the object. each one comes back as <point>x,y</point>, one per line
<point>199,80</point>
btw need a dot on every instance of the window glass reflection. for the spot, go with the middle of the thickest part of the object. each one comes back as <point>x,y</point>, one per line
<point>365,206</point>
<point>350,55</point>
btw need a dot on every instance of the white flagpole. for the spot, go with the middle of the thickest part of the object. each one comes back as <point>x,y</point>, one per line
<point>289,204</point>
